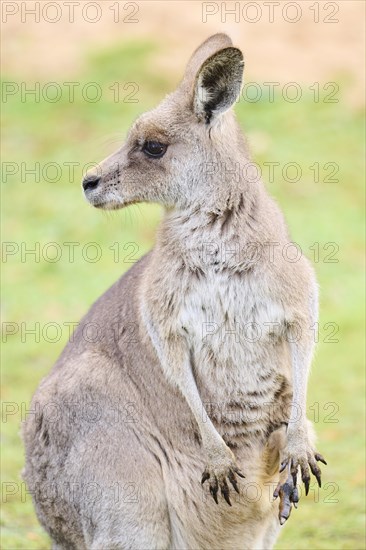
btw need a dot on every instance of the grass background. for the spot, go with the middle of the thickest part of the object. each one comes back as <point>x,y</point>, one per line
<point>60,292</point>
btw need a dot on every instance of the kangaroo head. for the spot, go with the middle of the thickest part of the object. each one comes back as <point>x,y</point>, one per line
<point>171,153</point>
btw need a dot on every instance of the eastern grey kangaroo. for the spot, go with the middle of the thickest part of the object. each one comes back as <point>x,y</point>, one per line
<point>180,424</point>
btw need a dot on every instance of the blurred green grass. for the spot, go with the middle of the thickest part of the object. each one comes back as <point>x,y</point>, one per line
<point>60,292</point>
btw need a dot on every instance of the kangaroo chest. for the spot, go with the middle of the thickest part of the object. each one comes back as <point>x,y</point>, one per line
<point>233,317</point>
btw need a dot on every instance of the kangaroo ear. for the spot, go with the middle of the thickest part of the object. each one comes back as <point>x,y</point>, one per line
<point>218,83</point>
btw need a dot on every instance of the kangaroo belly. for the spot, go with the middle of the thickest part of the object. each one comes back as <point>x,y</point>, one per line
<point>241,358</point>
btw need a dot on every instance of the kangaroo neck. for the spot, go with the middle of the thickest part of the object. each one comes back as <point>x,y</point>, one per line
<point>195,232</point>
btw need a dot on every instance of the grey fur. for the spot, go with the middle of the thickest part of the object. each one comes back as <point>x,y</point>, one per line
<point>174,386</point>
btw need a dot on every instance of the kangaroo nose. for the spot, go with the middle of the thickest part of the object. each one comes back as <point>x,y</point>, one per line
<point>90,182</point>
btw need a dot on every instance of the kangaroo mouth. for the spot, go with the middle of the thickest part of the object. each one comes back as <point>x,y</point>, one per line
<point>108,206</point>
<point>113,205</point>
<point>103,201</point>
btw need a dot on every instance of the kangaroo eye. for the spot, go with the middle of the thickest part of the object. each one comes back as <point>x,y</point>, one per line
<point>154,149</point>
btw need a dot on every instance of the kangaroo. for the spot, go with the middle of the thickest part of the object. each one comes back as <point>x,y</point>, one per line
<point>182,422</point>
